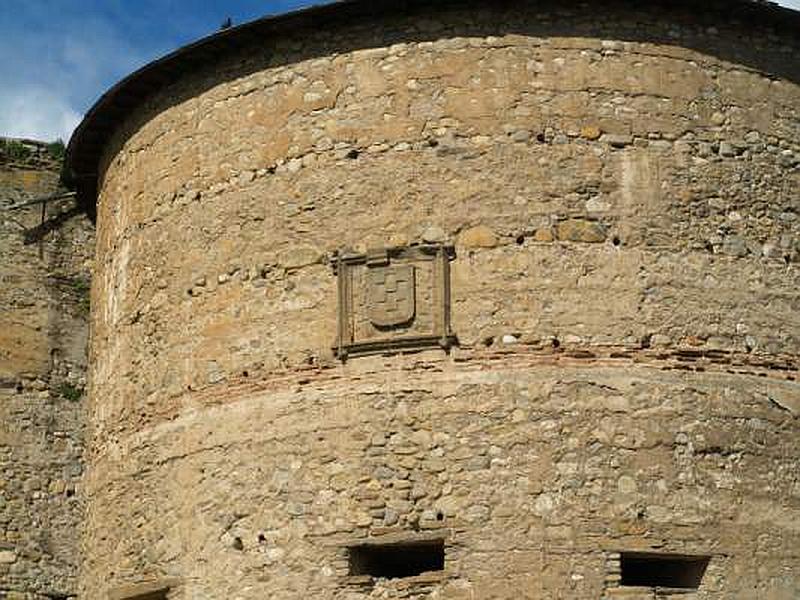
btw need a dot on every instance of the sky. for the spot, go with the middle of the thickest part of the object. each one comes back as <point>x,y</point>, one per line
<point>58,56</point>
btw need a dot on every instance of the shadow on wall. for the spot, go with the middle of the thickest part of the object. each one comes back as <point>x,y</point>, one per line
<point>37,234</point>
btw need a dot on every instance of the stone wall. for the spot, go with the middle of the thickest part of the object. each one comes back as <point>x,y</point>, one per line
<point>44,307</point>
<point>620,188</point>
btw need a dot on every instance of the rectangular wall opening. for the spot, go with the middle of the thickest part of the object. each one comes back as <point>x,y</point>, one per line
<point>145,590</point>
<point>662,570</point>
<point>158,595</point>
<point>151,594</point>
<point>391,561</point>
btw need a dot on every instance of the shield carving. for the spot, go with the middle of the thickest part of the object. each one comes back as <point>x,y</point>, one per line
<point>391,295</point>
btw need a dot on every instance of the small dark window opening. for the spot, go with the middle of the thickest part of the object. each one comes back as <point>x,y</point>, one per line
<point>160,595</point>
<point>154,595</point>
<point>663,570</point>
<point>392,561</point>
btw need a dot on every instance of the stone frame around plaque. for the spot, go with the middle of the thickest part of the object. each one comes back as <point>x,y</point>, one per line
<point>393,300</point>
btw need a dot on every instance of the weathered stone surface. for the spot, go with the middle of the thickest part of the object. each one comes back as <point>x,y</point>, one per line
<point>301,256</point>
<point>433,234</point>
<point>44,311</point>
<point>577,230</point>
<point>591,132</point>
<point>617,140</point>
<point>727,149</point>
<point>477,237</point>
<point>611,397</point>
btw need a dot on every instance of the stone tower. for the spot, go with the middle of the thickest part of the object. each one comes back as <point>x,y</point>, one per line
<point>449,300</point>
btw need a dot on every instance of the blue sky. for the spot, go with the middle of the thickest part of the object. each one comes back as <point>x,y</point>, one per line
<point>58,56</point>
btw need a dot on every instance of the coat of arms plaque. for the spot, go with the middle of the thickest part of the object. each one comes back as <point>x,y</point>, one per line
<point>393,299</point>
<point>392,295</point>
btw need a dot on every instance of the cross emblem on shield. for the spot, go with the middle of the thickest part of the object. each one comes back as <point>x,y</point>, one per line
<point>391,295</point>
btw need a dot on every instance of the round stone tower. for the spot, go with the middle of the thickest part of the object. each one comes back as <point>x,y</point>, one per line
<point>449,300</point>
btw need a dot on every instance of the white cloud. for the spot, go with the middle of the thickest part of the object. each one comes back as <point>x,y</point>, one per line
<point>36,112</point>
<point>795,4</point>
<point>58,73</point>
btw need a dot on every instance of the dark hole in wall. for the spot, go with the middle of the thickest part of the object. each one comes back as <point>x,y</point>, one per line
<point>392,561</point>
<point>662,570</point>
<point>157,595</point>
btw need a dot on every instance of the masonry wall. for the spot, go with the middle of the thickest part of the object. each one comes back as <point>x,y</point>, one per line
<point>44,306</point>
<point>620,186</point>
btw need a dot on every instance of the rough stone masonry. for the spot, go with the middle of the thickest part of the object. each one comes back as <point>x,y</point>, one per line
<point>585,221</point>
<point>45,271</point>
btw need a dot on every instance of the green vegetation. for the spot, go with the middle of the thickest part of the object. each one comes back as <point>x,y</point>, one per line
<point>56,149</point>
<point>81,286</point>
<point>20,152</point>
<point>70,392</point>
<point>14,150</point>
<point>82,290</point>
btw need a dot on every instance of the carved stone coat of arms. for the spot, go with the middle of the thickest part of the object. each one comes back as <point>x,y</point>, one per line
<point>392,295</point>
<point>393,299</point>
